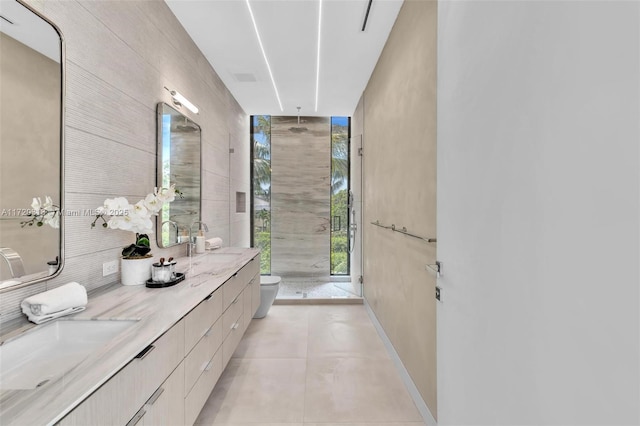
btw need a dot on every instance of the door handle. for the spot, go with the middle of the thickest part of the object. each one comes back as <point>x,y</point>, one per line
<point>435,268</point>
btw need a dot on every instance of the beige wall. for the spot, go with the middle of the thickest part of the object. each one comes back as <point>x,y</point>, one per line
<point>30,159</point>
<point>398,114</point>
<point>120,55</point>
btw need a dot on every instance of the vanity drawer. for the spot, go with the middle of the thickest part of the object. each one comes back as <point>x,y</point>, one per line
<point>201,318</point>
<point>120,398</point>
<point>231,289</point>
<point>234,285</point>
<point>166,405</point>
<point>250,270</point>
<point>231,315</point>
<point>197,360</point>
<point>196,399</point>
<point>231,342</point>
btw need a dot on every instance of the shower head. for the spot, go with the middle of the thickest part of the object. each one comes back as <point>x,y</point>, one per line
<point>298,129</point>
<point>186,127</point>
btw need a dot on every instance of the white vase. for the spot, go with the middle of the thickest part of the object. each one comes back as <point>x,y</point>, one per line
<point>135,271</point>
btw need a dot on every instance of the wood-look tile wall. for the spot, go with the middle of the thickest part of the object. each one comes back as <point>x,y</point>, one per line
<point>398,116</point>
<point>119,57</point>
<point>300,197</point>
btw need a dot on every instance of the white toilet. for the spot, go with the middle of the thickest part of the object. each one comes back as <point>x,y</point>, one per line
<point>269,286</point>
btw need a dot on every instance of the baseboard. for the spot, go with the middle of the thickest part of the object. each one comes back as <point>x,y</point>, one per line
<point>404,374</point>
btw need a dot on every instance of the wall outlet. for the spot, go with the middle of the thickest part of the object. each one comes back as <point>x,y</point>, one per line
<point>109,268</point>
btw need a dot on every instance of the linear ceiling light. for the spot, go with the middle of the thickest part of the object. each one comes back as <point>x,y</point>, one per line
<point>318,58</point>
<point>255,27</point>
<point>366,15</point>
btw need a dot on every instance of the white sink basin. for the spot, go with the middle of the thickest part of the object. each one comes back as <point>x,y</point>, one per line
<point>50,350</point>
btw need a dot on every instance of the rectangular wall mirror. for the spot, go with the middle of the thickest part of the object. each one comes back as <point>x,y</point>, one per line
<point>31,146</point>
<point>179,164</point>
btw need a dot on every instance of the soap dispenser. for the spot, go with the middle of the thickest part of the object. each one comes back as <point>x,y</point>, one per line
<point>200,243</point>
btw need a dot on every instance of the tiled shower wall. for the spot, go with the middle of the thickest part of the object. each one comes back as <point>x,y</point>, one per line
<point>119,57</point>
<point>300,197</point>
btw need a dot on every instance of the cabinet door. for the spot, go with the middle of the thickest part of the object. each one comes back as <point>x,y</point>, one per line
<point>231,342</point>
<point>255,295</point>
<point>198,396</point>
<point>198,359</point>
<point>199,320</point>
<point>119,399</point>
<point>247,312</point>
<point>231,315</point>
<point>166,405</point>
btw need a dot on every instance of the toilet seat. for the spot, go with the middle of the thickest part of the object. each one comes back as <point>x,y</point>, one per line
<point>268,280</point>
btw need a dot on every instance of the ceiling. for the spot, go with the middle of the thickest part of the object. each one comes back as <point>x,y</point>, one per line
<point>224,32</point>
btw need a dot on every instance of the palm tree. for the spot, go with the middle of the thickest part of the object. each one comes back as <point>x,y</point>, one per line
<point>264,217</point>
<point>339,159</point>
<point>262,156</point>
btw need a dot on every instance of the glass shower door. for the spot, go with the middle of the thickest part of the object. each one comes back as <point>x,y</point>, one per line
<point>352,283</point>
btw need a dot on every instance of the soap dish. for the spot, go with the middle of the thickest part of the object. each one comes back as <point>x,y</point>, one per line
<point>153,284</point>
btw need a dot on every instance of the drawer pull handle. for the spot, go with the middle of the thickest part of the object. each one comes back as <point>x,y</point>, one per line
<point>234,275</point>
<point>235,325</point>
<point>145,352</point>
<point>209,297</point>
<point>155,396</point>
<point>208,366</point>
<point>139,415</point>
<point>235,301</point>
<point>208,332</point>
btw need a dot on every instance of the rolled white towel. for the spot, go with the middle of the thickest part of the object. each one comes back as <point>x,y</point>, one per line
<point>64,300</point>
<point>213,243</point>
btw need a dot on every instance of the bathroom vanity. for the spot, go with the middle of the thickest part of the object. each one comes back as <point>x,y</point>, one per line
<point>162,368</point>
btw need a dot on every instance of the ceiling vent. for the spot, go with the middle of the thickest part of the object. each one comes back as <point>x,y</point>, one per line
<point>245,77</point>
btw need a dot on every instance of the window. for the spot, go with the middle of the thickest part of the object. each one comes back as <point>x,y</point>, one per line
<point>340,195</point>
<point>261,197</point>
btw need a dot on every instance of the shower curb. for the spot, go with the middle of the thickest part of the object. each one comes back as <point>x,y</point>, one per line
<point>318,301</point>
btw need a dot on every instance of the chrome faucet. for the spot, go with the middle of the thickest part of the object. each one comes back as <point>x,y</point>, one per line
<point>175,225</point>
<point>13,259</point>
<point>192,243</point>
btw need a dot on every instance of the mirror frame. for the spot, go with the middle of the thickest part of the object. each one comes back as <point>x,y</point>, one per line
<point>159,143</point>
<point>62,156</point>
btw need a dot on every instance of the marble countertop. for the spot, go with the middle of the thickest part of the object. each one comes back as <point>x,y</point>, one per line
<point>156,309</point>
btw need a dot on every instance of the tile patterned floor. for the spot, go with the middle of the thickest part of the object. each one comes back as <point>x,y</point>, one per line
<point>306,365</point>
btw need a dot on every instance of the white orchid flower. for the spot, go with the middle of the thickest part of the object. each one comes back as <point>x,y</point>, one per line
<point>48,203</point>
<point>152,203</point>
<point>136,217</point>
<point>35,204</point>
<point>166,195</point>
<point>53,220</point>
<point>117,207</point>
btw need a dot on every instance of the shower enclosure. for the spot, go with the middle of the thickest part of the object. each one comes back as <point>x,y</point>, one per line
<point>302,212</point>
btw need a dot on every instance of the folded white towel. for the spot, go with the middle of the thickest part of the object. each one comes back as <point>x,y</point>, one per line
<point>64,300</point>
<point>39,319</point>
<point>213,243</point>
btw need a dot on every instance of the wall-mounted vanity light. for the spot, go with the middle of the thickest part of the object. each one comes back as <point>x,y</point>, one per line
<point>179,100</point>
